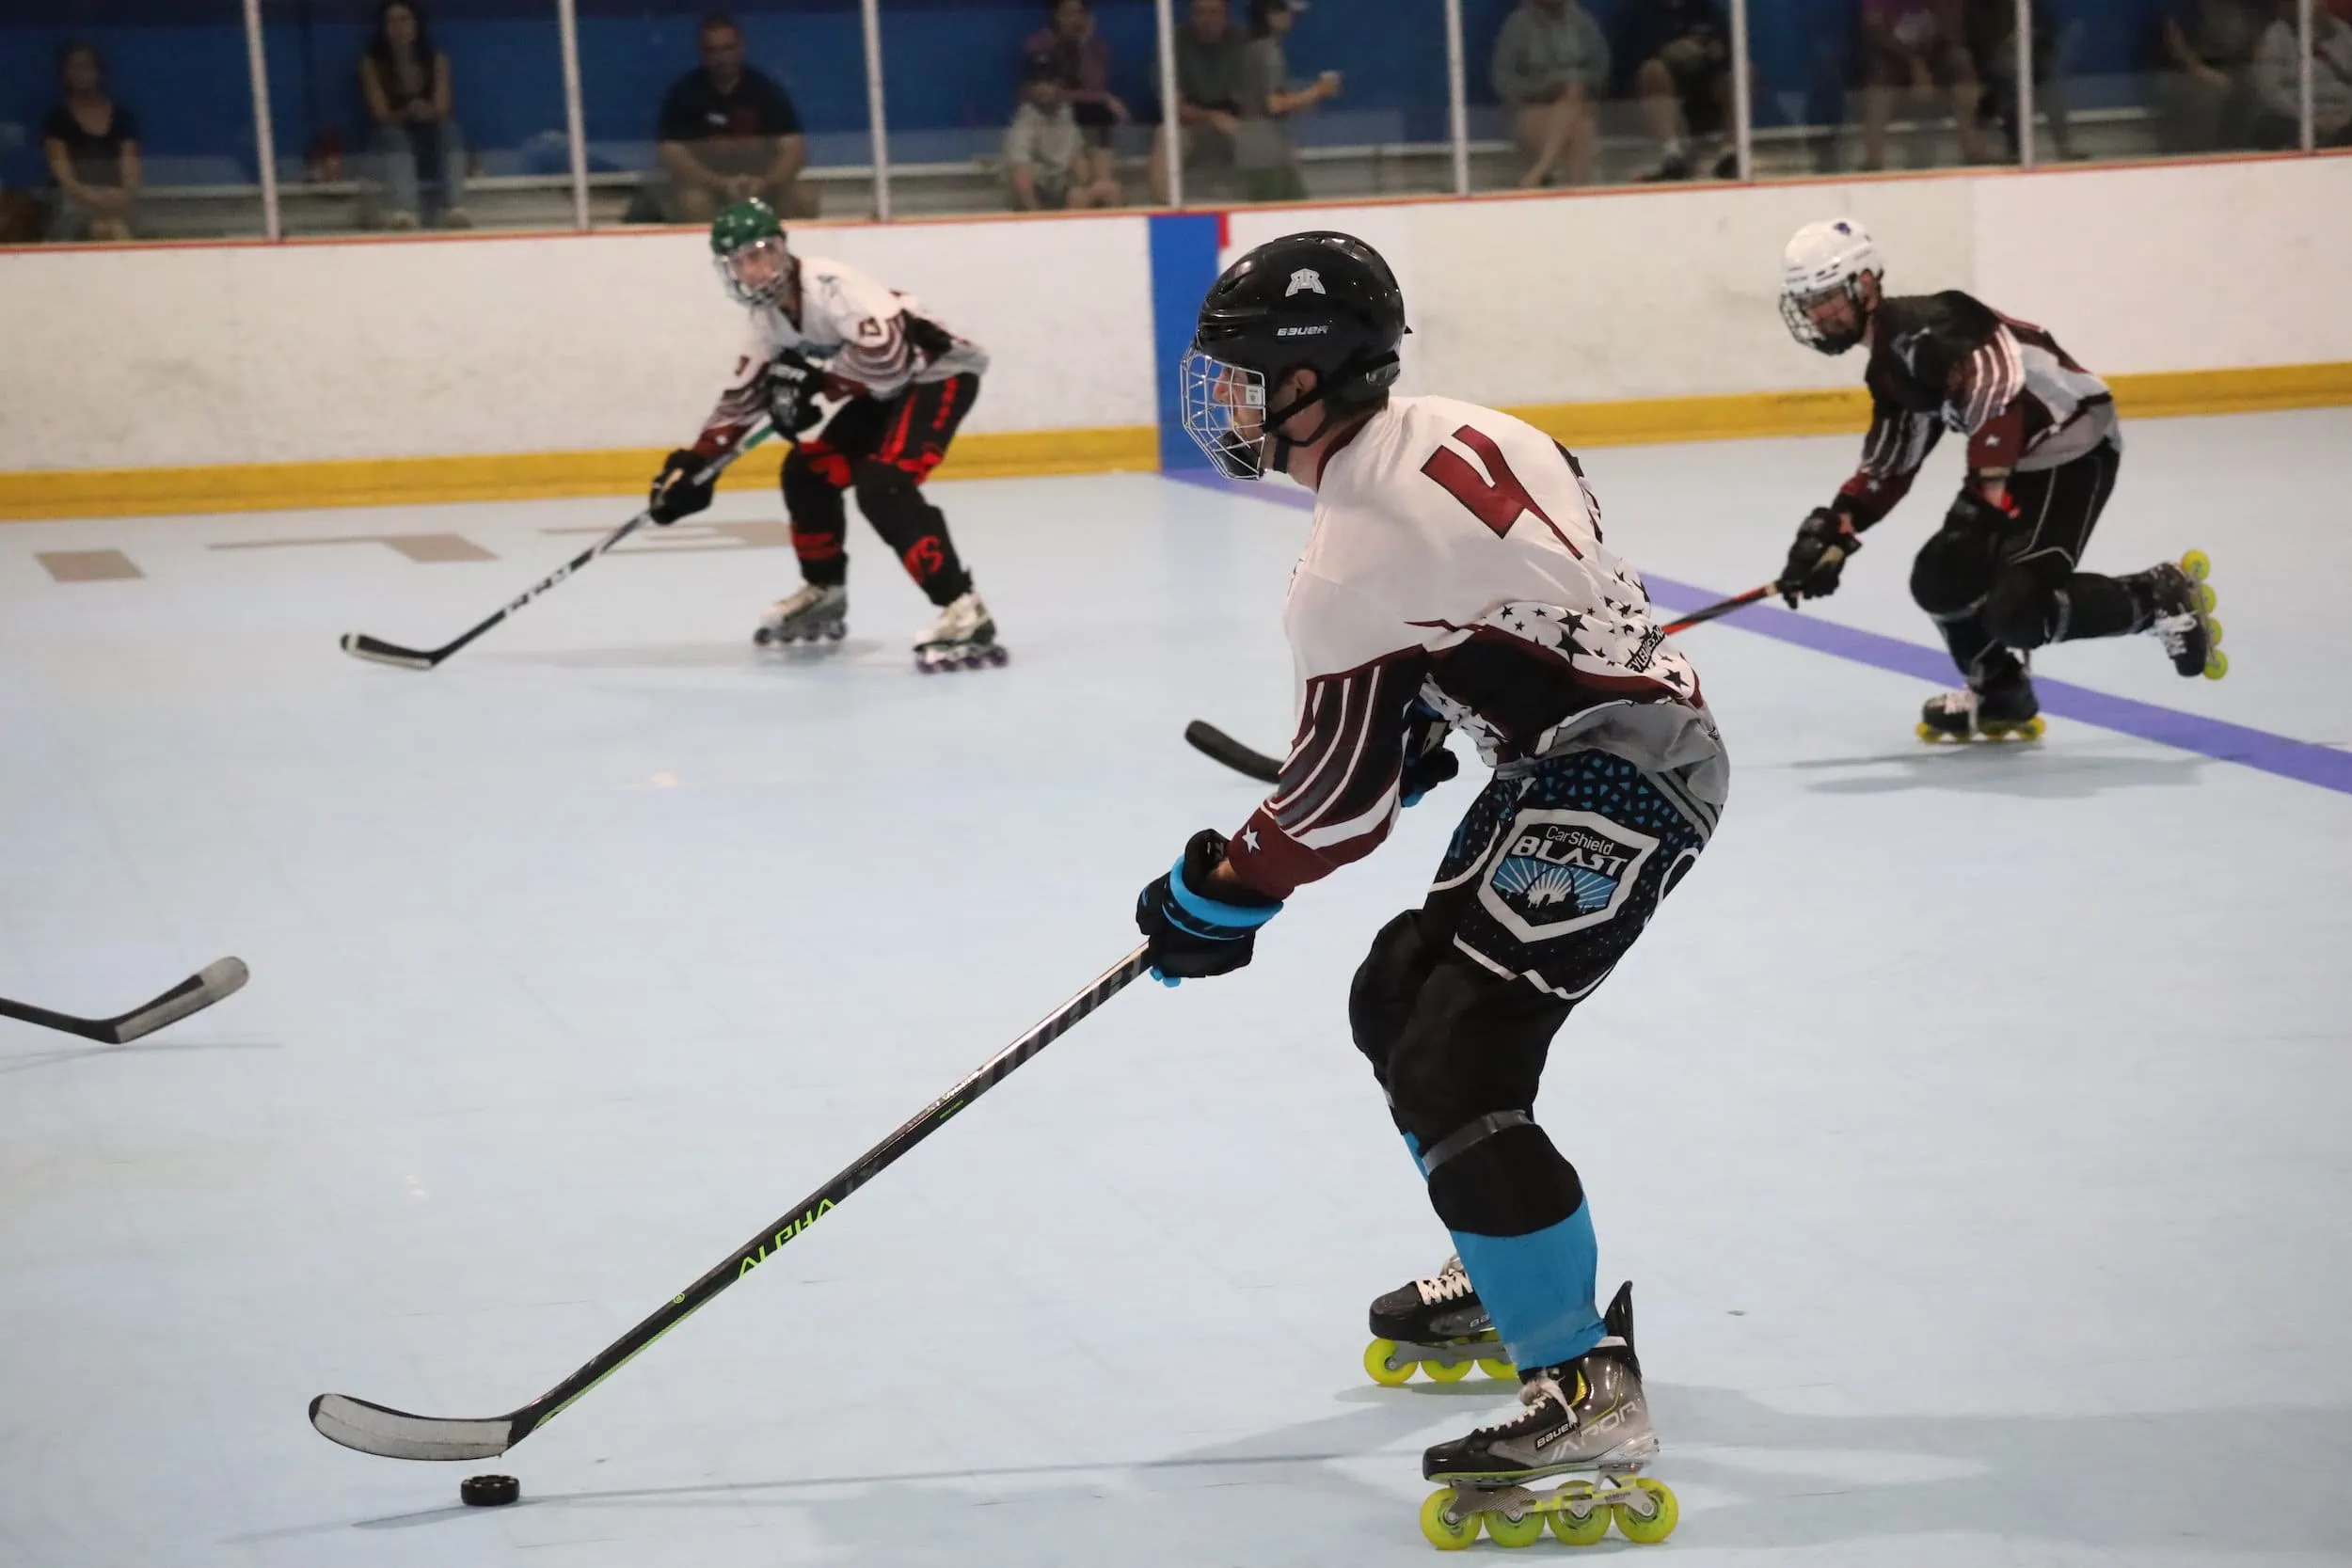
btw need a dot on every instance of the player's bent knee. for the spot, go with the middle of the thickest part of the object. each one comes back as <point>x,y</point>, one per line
<point>1510,1185</point>
<point>1952,573</point>
<point>2021,611</point>
<point>807,473</point>
<point>1387,984</point>
<point>884,486</point>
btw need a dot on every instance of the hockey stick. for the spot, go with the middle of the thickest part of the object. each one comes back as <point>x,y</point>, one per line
<point>378,1430</point>
<point>361,645</point>
<point>1214,743</point>
<point>198,991</point>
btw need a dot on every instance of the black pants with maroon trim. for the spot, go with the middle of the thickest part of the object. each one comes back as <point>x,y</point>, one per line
<point>1997,592</point>
<point>883,448</point>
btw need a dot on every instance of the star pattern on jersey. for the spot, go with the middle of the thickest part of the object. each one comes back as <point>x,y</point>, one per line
<point>1249,839</point>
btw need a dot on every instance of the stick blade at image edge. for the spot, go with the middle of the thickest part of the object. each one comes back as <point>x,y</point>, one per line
<point>219,978</point>
<point>359,645</point>
<point>395,1435</point>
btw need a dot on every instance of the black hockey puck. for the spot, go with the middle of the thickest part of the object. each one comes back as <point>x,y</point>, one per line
<point>489,1491</point>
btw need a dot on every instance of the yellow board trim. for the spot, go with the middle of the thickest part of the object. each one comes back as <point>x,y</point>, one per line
<point>417,480</point>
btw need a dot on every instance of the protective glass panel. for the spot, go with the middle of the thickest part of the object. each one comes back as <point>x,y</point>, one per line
<point>1863,85</point>
<point>392,116</point>
<point>1326,102</point>
<point>1590,92</point>
<point>2173,79</point>
<point>999,105</point>
<point>767,101</point>
<point>126,120</point>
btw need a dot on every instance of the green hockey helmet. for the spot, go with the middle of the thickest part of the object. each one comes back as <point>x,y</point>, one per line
<point>747,246</point>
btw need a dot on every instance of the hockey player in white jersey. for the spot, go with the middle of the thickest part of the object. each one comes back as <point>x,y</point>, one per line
<point>904,383</point>
<point>1456,578</point>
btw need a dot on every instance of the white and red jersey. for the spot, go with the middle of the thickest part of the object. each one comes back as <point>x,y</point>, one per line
<point>872,342</point>
<point>1457,558</point>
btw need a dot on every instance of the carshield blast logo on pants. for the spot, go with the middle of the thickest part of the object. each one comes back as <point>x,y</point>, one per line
<point>1563,871</point>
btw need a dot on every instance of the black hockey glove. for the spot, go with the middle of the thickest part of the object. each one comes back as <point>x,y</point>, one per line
<point>1824,542</point>
<point>1193,935</point>
<point>793,384</point>
<point>1428,761</point>
<point>674,494</point>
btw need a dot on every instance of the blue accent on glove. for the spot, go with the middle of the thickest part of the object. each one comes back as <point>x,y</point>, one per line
<point>1210,917</point>
<point>1193,935</point>
<point>1539,1289</point>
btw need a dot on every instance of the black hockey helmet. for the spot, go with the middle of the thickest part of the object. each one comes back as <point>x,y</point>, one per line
<point>1324,302</point>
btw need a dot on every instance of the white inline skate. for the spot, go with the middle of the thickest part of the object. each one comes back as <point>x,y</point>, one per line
<point>964,637</point>
<point>808,614</point>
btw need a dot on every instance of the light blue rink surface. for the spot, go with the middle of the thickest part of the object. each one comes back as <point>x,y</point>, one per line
<point>1974,1123</point>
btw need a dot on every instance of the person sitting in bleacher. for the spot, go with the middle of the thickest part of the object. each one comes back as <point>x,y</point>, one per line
<point>2278,81</point>
<point>728,132</point>
<point>1909,49</point>
<point>92,145</point>
<point>1551,68</point>
<point>1082,63</point>
<point>1676,57</point>
<point>1048,160</point>
<point>1208,94</point>
<point>2203,98</point>
<point>406,83</point>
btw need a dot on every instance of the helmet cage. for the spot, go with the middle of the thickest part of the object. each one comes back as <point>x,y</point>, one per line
<point>768,254</point>
<point>1796,310</point>
<point>1224,413</point>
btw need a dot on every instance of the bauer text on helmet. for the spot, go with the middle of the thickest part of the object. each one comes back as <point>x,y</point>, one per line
<point>1322,304</point>
<point>1829,284</point>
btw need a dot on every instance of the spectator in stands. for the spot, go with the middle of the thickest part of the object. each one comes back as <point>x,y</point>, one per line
<point>2278,87</point>
<point>1047,156</point>
<point>1676,57</point>
<point>1911,48</point>
<point>729,134</point>
<point>2203,95</point>
<point>1551,67</point>
<point>1990,27</point>
<point>93,144</point>
<point>404,81</point>
<point>1264,152</point>
<point>1082,62</point>
<point>1208,94</point>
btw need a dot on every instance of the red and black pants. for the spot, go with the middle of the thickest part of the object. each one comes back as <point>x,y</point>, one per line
<point>883,448</point>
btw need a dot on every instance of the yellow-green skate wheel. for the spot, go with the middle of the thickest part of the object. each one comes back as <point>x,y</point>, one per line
<point>1659,1523</point>
<point>1498,1369</point>
<point>2217,664</point>
<point>1447,1531</point>
<point>1437,1371</point>
<point>1574,1529</point>
<point>2207,599</point>
<point>1525,1531</point>
<point>2213,631</point>
<point>2197,565</point>
<point>1381,1364</point>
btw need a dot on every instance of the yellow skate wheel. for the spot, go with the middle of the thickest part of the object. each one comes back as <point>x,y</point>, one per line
<point>1447,1531</point>
<point>1437,1371</point>
<point>1525,1531</point>
<point>1498,1369</point>
<point>1934,737</point>
<point>1385,1367</point>
<point>2213,631</point>
<point>1578,1529</point>
<point>2207,599</point>
<point>2197,565</point>
<point>2217,664</point>
<point>1656,1525</point>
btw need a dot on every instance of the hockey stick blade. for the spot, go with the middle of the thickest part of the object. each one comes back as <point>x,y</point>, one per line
<point>396,1435</point>
<point>1214,743</point>
<point>193,994</point>
<point>359,645</point>
<point>391,1434</point>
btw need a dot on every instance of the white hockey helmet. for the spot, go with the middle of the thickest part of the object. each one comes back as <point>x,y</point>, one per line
<point>1823,259</point>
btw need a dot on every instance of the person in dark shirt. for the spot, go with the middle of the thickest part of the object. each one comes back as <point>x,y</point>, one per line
<point>93,144</point>
<point>1676,57</point>
<point>404,81</point>
<point>2003,575</point>
<point>729,134</point>
<point>1082,63</point>
<point>1209,51</point>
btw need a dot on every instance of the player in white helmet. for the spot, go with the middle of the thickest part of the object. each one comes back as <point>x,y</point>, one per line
<point>2003,575</point>
<point>904,384</point>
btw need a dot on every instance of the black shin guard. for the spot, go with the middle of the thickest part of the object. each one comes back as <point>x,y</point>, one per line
<point>916,529</point>
<point>1509,1183</point>
<point>820,521</point>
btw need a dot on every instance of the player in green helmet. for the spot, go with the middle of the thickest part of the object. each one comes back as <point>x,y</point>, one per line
<point>901,384</point>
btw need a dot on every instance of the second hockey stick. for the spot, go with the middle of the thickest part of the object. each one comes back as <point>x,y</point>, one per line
<point>394,1434</point>
<point>361,645</point>
<point>1210,741</point>
<point>198,991</point>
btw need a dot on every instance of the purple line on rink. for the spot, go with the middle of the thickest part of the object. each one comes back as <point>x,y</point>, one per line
<point>2217,738</point>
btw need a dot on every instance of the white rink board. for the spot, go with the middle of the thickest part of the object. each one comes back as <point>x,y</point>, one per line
<point>251,353</point>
